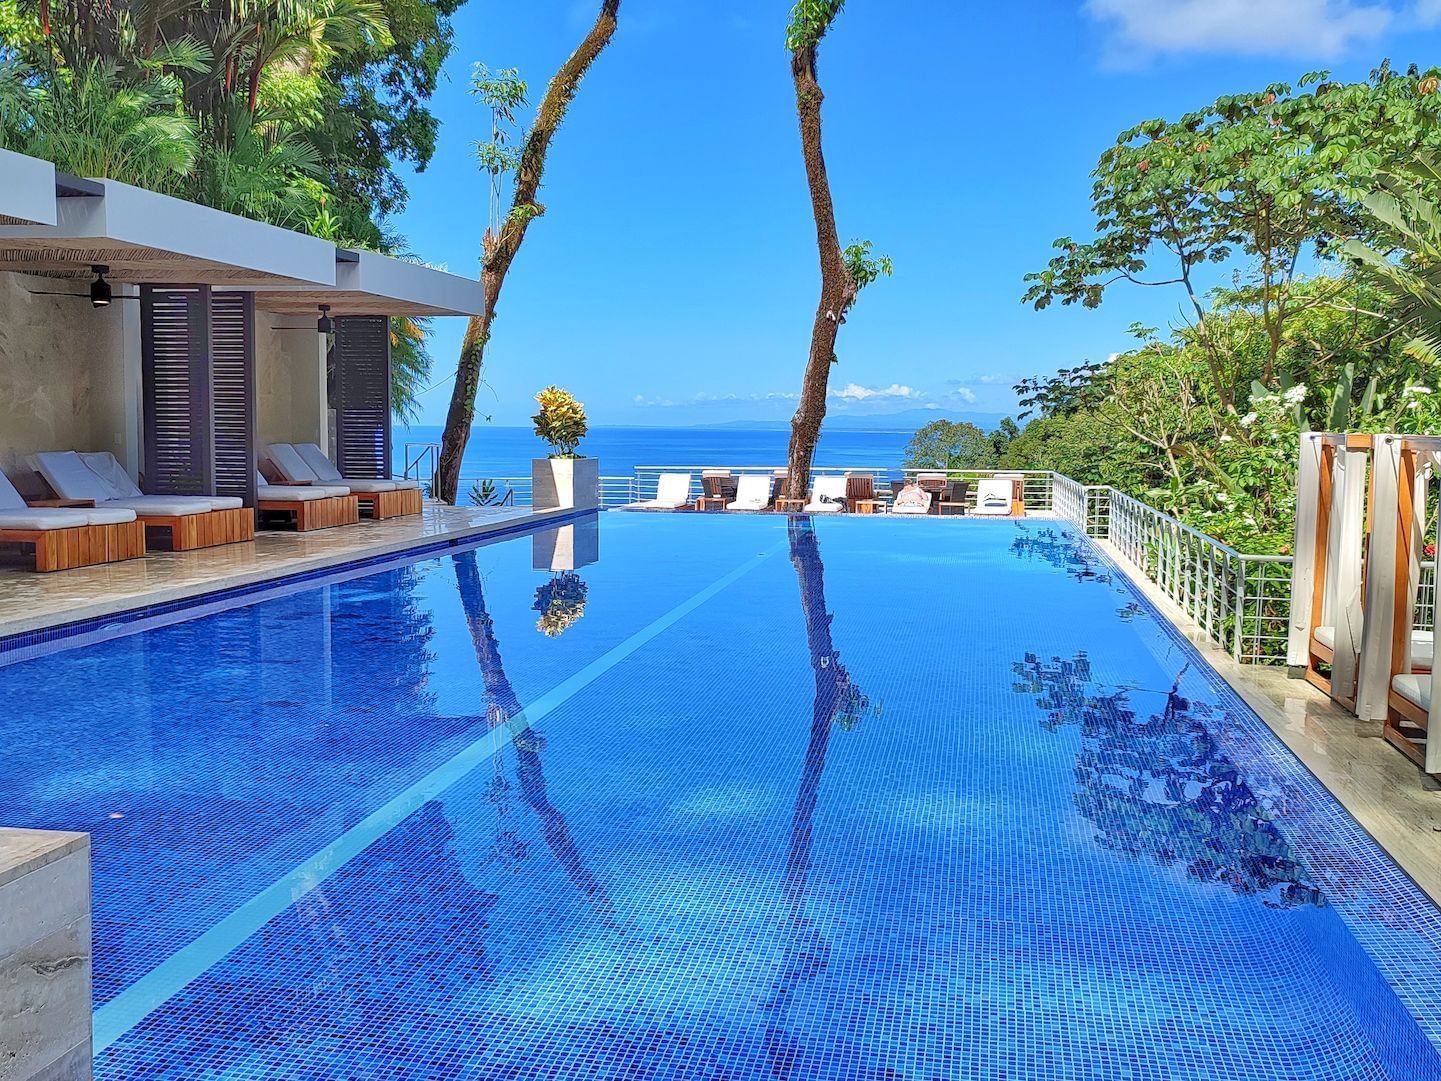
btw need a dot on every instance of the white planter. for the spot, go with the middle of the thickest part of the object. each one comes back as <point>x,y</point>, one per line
<point>564,483</point>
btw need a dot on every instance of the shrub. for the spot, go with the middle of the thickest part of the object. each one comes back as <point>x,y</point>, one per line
<point>560,422</point>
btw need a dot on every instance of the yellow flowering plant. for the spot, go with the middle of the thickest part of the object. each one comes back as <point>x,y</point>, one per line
<point>560,422</point>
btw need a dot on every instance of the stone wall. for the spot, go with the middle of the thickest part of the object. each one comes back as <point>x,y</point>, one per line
<point>63,373</point>
<point>289,380</point>
<point>45,1018</point>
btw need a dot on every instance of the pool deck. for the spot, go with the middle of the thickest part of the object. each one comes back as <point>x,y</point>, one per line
<point>32,602</point>
<point>1394,802</point>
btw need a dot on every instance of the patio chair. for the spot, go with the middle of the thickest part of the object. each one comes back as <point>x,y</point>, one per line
<point>306,506</point>
<point>387,498</point>
<point>62,538</point>
<point>957,497</point>
<point>993,496</point>
<point>860,489</point>
<point>753,492</point>
<point>718,484</point>
<point>828,496</point>
<point>672,493</point>
<point>186,522</point>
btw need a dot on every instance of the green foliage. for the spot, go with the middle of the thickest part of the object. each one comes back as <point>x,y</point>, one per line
<point>561,421</point>
<point>410,364</point>
<point>504,90</point>
<point>949,444</point>
<point>810,21</point>
<point>485,493</point>
<point>864,268</point>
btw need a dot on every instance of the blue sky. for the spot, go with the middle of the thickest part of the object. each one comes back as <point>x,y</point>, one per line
<point>674,277</point>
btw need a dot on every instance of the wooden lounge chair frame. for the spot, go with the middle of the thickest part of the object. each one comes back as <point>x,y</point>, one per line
<point>396,504</point>
<point>81,545</point>
<point>327,513</point>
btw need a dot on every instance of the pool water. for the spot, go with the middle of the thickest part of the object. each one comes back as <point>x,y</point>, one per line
<point>734,798</point>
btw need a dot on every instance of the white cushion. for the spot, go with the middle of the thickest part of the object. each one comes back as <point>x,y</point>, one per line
<point>104,466</point>
<point>169,506</point>
<point>323,468</point>
<point>289,462</point>
<point>672,490</point>
<point>71,478</point>
<point>109,515</point>
<point>44,518</point>
<point>753,492</point>
<point>1423,645</point>
<point>1326,636</point>
<point>1415,689</point>
<point>405,485</point>
<point>284,494</point>
<point>828,495</point>
<point>993,496</point>
<point>366,487</point>
<point>661,504</point>
<point>10,499</point>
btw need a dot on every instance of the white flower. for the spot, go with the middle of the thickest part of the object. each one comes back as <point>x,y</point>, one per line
<point>1296,395</point>
<point>1226,438</point>
<point>1411,391</point>
<point>1248,420</point>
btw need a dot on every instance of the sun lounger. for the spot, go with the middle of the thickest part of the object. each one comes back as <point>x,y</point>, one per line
<point>392,498</point>
<point>186,521</point>
<point>911,499</point>
<point>672,493</point>
<point>66,537</point>
<point>307,506</point>
<point>1423,646</point>
<point>752,493</point>
<point>993,496</point>
<point>828,496</point>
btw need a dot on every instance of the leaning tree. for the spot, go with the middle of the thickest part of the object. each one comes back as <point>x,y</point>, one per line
<point>844,271</point>
<point>505,93</point>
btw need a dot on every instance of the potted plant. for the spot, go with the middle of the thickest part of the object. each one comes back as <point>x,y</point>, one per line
<point>565,479</point>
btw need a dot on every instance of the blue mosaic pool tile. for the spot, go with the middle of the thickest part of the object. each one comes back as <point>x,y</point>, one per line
<point>820,826</point>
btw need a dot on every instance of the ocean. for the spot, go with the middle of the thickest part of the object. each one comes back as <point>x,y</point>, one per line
<point>495,452</point>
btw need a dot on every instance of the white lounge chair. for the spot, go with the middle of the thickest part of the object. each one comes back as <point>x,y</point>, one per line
<point>386,498</point>
<point>753,492</point>
<point>672,493</point>
<point>309,506</point>
<point>286,461</point>
<point>912,499</point>
<point>993,496</point>
<point>828,496</point>
<point>191,521</point>
<point>1423,645</point>
<point>65,537</point>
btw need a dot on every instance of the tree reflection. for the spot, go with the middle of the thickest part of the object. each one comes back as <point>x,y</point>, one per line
<point>1062,551</point>
<point>1159,786</point>
<point>836,701</point>
<point>504,709</point>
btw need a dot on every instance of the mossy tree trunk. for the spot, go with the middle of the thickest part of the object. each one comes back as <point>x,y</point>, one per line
<point>499,251</point>
<point>838,287</point>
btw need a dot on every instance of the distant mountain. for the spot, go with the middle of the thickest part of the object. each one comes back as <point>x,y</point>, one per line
<point>908,420</point>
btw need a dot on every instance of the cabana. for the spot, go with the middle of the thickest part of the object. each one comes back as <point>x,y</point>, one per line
<point>1325,634</point>
<point>182,339</point>
<point>1411,708</point>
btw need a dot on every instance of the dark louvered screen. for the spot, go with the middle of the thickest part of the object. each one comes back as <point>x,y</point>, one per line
<point>232,337</point>
<point>175,365</point>
<point>362,396</point>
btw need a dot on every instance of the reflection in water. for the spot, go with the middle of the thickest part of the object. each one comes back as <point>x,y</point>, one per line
<point>560,602</point>
<point>836,701</point>
<point>1159,785</point>
<point>1061,551</point>
<point>504,708</point>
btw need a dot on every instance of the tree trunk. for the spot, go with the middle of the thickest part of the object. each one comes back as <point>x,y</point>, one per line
<point>500,251</point>
<point>838,288</point>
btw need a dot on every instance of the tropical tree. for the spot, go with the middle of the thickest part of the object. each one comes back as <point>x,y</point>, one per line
<point>506,94</point>
<point>844,272</point>
<point>950,444</point>
<point>1268,179</point>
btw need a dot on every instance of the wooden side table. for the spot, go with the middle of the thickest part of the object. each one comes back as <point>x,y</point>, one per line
<point>711,502</point>
<point>790,503</point>
<point>868,506</point>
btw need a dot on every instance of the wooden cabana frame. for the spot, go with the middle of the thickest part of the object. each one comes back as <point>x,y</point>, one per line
<point>1412,708</point>
<point>1327,614</point>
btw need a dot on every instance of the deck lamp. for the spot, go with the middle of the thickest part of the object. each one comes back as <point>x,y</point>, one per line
<point>100,288</point>
<point>325,324</point>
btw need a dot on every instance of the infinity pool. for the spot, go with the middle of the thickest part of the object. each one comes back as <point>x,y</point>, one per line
<point>734,798</point>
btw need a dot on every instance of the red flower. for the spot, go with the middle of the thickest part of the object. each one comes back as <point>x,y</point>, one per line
<point>1430,550</point>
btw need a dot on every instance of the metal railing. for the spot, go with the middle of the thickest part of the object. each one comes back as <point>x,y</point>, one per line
<point>1241,602</point>
<point>1036,486</point>
<point>420,461</point>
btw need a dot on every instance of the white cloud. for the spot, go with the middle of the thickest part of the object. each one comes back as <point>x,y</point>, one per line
<point>965,394</point>
<point>645,403</point>
<point>1321,29</point>
<point>854,392</point>
<point>1428,12</point>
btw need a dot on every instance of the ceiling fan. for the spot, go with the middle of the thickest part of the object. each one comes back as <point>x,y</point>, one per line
<point>101,294</point>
